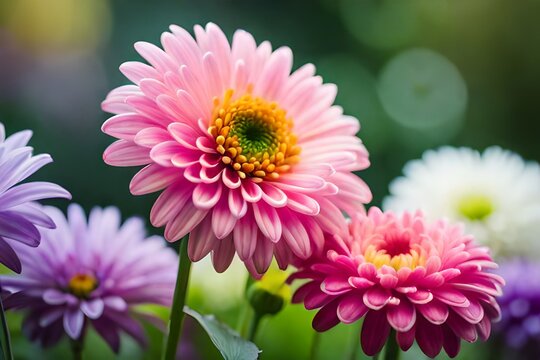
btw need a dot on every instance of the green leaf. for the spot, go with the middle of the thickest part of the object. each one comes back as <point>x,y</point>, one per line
<point>227,341</point>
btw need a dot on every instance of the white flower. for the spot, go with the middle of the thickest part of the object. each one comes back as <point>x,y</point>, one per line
<point>496,194</point>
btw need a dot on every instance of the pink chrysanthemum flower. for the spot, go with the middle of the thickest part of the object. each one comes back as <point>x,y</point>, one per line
<point>253,159</point>
<point>427,281</point>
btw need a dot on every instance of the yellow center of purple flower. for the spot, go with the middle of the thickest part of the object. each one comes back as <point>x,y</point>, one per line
<point>81,285</point>
<point>253,136</point>
<point>395,251</point>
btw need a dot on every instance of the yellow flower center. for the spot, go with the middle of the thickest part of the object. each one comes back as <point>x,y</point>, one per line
<point>411,259</point>
<point>475,207</point>
<point>395,250</point>
<point>253,136</point>
<point>82,285</point>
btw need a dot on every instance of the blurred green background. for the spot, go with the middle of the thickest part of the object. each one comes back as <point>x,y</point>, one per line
<point>417,74</point>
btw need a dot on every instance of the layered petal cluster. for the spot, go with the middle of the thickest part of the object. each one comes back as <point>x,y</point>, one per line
<point>495,193</point>
<point>252,158</point>
<point>427,281</point>
<point>91,273</point>
<point>519,327</point>
<point>20,215</point>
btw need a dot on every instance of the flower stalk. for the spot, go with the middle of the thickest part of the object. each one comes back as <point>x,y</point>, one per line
<point>6,341</point>
<point>179,300</point>
<point>391,351</point>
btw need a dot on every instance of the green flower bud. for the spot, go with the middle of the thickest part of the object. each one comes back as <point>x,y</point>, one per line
<point>270,294</point>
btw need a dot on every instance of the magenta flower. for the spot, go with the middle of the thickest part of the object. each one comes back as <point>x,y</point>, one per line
<point>427,281</point>
<point>20,216</point>
<point>253,159</point>
<point>91,273</point>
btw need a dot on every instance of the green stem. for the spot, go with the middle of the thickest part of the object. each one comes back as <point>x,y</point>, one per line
<point>355,345</point>
<point>253,326</point>
<point>179,300</point>
<point>77,348</point>
<point>8,354</point>
<point>391,349</point>
<point>315,341</point>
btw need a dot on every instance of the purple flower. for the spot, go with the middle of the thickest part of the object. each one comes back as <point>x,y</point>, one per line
<point>20,216</point>
<point>520,305</point>
<point>91,273</point>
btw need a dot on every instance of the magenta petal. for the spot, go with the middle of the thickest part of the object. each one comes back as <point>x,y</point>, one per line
<point>351,308</point>
<point>484,328</point>
<point>375,331</point>
<point>336,285</point>
<point>223,254</point>
<point>376,298</point>
<point>326,318</point>
<point>452,342</point>
<point>401,317</point>
<point>406,339</point>
<point>429,337</point>
<point>435,312</point>
<point>451,297</point>
<point>473,313</point>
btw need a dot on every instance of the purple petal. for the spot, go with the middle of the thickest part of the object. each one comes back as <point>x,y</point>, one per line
<point>375,331</point>
<point>93,308</point>
<point>32,191</point>
<point>73,323</point>
<point>8,257</point>
<point>14,226</point>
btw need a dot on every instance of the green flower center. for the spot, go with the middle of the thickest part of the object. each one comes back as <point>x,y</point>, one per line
<point>255,136</point>
<point>475,207</point>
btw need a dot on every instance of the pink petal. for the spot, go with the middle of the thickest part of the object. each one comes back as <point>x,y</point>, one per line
<point>206,196</point>
<point>268,220</point>
<point>376,298</point>
<point>351,308</point>
<point>451,297</point>
<point>303,204</point>
<point>150,137</point>
<point>136,71</point>
<point>435,312</point>
<point>163,153</point>
<point>245,237</point>
<point>251,192</point>
<point>401,317</point>
<point>223,220</point>
<point>184,134</point>
<point>472,313</point>
<point>184,222</point>
<point>153,178</point>
<point>126,153</point>
<point>169,203</point>
<point>262,257</point>
<point>223,254</point>
<point>335,285</point>
<point>295,235</point>
<point>272,195</point>
<point>237,204</point>
<point>201,240</point>
<point>126,126</point>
